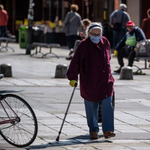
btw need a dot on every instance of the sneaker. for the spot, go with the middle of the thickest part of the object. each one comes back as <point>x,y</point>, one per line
<point>71,52</point>
<point>118,71</point>
<point>69,58</point>
<point>109,134</point>
<point>94,135</point>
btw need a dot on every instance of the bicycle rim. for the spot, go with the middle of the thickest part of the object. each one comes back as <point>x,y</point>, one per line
<point>19,133</point>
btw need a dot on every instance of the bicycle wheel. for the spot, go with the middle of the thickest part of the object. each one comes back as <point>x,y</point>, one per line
<point>22,131</point>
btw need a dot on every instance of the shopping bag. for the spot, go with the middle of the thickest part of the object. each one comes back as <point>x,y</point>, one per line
<point>143,49</point>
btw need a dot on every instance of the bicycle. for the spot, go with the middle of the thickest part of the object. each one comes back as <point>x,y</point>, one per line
<point>18,122</point>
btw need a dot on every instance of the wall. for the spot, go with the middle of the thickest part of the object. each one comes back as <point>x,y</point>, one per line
<point>145,6</point>
<point>133,8</point>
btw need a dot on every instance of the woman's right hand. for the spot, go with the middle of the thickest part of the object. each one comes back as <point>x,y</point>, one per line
<point>73,83</point>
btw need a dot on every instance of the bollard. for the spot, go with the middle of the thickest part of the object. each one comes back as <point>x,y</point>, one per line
<point>126,73</point>
<point>61,71</point>
<point>6,70</point>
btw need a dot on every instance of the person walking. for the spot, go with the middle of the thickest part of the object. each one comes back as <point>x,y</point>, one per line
<point>3,20</point>
<point>85,23</point>
<point>92,62</point>
<point>146,25</point>
<point>72,22</point>
<point>118,20</point>
<point>126,47</point>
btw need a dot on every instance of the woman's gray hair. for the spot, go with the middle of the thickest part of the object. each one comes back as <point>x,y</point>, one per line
<point>94,25</point>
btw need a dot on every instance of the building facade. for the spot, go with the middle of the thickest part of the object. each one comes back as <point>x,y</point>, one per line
<point>95,10</point>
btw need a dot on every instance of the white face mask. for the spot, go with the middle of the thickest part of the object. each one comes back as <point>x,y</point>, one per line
<point>95,39</point>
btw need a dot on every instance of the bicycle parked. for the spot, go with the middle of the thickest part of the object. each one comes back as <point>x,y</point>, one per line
<point>18,123</point>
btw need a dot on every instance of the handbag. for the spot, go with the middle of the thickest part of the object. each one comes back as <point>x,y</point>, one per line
<point>66,26</point>
<point>143,49</point>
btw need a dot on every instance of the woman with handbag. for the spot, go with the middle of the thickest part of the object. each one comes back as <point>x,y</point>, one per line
<point>72,22</point>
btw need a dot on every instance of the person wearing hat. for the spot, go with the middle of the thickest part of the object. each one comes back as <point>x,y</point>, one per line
<point>92,62</point>
<point>126,47</point>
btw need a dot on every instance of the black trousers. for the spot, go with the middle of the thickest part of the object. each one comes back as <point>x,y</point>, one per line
<point>71,41</point>
<point>126,52</point>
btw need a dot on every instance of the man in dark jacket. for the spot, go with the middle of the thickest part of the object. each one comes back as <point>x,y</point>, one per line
<point>118,20</point>
<point>92,62</point>
<point>126,47</point>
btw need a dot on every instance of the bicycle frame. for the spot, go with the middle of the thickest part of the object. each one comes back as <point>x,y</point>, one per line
<point>9,120</point>
<point>18,122</point>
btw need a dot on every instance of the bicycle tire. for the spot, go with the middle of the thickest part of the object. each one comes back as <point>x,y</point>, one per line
<point>24,132</point>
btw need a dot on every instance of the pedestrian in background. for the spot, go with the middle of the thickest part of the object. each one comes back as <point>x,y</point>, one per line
<point>92,62</point>
<point>3,20</point>
<point>146,25</point>
<point>118,20</point>
<point>127,44</point>
<point>85,23</point>
<point>72,23</point>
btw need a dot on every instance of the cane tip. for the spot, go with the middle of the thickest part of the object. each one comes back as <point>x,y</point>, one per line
<point>57,139</point>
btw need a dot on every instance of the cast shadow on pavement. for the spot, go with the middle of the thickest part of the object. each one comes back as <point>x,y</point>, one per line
<point>82,139</point>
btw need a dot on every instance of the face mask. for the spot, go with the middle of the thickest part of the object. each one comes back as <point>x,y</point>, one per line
<point>95,39</point>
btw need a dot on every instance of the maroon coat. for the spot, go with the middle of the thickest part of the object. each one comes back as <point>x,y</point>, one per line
<point>92,62</point>
<point>146,27</point>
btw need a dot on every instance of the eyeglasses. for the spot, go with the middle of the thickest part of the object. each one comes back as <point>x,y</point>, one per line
<point>130,26</point>
<point>95,34</point>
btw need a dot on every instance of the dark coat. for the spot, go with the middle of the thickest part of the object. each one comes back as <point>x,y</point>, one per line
<point>92,62</point>
<point>146,27</point>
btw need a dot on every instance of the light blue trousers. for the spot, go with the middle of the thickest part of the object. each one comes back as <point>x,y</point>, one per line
<point>92,108</point>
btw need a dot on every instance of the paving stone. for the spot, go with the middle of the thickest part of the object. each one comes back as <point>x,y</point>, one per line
<point>49,98</point>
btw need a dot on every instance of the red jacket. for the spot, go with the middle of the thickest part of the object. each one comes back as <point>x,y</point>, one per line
<point>146,27</point>
<point>3,18</point>
<point>92,62</point>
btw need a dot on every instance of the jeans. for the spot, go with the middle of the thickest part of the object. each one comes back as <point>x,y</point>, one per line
<point>2,31</point>
<point>91,109</point>
<point>71,41</point>
<point>117,36</point>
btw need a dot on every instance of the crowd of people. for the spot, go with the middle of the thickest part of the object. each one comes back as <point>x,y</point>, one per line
<point>90,59</point>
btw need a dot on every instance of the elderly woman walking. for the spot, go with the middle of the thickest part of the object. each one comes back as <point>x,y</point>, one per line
<point>92,62</point>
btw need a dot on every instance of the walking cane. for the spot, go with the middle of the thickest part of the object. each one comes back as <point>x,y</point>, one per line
<point>57,139</point>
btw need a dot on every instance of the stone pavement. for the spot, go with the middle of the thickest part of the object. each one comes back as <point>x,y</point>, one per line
<point>49,98</point>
